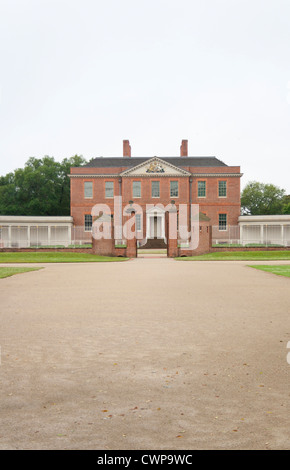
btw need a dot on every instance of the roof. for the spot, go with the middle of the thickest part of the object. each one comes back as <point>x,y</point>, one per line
<point>35,219</point>
<point>264,219</point>
<point>130,162</point>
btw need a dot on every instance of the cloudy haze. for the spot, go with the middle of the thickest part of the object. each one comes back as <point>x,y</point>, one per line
<point>78,77</point>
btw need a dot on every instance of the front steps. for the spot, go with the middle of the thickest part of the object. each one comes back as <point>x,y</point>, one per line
<point>154,243</point>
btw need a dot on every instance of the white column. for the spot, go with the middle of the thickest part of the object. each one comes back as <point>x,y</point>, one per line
<point>282,235</point>
<point>28,236</point>
<point>148,234</point>
<point>49,235</point>
<point>163,226</point>
<point>69,234</point>
<point>241,235</point>
<point>262,234</point>
<point>9,236</point>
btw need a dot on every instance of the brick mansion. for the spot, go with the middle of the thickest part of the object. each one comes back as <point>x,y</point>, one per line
<point>206,181</point>
<point>153,184</point>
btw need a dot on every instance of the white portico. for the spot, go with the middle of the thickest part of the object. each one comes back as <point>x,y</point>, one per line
<point>34,231</point>
<point>155,223</point>
<point>265,229</point>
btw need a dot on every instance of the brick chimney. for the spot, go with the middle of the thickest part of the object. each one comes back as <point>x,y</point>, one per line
<point>184,148</point>
<point>126,148</point>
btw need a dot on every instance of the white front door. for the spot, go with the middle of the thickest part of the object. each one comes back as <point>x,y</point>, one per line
<point>156,226</point>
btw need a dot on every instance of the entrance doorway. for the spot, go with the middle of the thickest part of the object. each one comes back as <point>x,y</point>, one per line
<point>155,230</point>
<point>155,227</point>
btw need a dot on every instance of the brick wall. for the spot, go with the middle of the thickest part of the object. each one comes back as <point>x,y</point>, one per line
<point>212,205</point>
<point>205,242</point>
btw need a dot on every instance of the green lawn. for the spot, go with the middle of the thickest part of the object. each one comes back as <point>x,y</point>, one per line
<point>54,257</point>
<point>279,270</point>
<point>6,272</point>
<point>240,256</point>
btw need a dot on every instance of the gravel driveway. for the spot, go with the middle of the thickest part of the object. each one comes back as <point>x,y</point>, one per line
<point>145,354</point>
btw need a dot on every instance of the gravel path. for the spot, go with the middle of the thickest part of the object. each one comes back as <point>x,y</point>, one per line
<point>145,354</point>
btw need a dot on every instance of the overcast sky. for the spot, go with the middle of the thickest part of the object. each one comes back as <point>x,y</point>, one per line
<point>79,76</point>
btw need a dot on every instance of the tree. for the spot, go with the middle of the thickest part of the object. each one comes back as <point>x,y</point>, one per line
<point>262,199</point>
<point>286,205</point>
<point>42,187</point>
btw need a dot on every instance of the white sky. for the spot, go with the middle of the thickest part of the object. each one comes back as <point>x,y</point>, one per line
<point>79,76</point>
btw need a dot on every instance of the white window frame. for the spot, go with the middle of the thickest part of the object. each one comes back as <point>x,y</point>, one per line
<point>88,229</point>
<point>155,197</point>
<point>226,185</point>
<point>139,188</point>
<point>91,186</point>
<point>138,222</point>
<point>205,188</point>
<point>225,226</point>
<point>112,183</point>
<point>177,183</point>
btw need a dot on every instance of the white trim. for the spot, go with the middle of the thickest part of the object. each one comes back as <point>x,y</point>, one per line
<point>179,171</point>
<point>173,181</point>
<point>92,188</point>
<point>264,219</point>
<point>150,215</point>
<point>161,175</point>
<point>27,219</point>
<point>110,197</point>
<point>115,175</point>
<point>216,175</point>
<point>136,197</point>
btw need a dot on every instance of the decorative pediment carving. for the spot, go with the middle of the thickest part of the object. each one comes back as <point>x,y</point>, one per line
<point>155,166</point>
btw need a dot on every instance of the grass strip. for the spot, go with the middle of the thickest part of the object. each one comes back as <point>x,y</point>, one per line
<point>239,256</point>
<point>7,272</point>
<point>55,257</point>
<point>279,270</point>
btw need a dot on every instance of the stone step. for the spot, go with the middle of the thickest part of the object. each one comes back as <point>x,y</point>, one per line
<point>154,243</point>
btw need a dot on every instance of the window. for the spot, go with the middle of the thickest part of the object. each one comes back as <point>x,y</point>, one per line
<point>136,188</point>
<point>138,222</point>
<point>88,222</point>
<point>88,189</point>
<point>222,221</point>
<point>222,189</point>
<point>155,188</point>
<point>173,188</point>
<point>109,188</point>
<point>201,192</point>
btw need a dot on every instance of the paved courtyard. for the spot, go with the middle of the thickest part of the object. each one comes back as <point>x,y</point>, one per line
<point>145,354</point>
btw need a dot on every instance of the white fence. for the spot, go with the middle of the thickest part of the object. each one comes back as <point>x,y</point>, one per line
<point>68,236</point>
<point>57,236</point>
<point>229,235</point>
<point>251,235</point>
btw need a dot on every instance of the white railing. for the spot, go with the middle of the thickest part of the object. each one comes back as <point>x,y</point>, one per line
<point>67,236</point>
<point>251,235</point>
<point>56,236</point>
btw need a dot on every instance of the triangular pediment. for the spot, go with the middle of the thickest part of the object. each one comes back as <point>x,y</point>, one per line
<point>155,167</point>
<point>155,209</point>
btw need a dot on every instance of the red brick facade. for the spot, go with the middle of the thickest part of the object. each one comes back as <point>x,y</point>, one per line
<point>186,171</point>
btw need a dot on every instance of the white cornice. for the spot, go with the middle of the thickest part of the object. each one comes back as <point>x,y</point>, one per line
<point>264,219</point>
<point>182,173</point>
<point>94,176</point>
<point>216,175</point>
<point>36,220</point>
<point>176,171</point>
